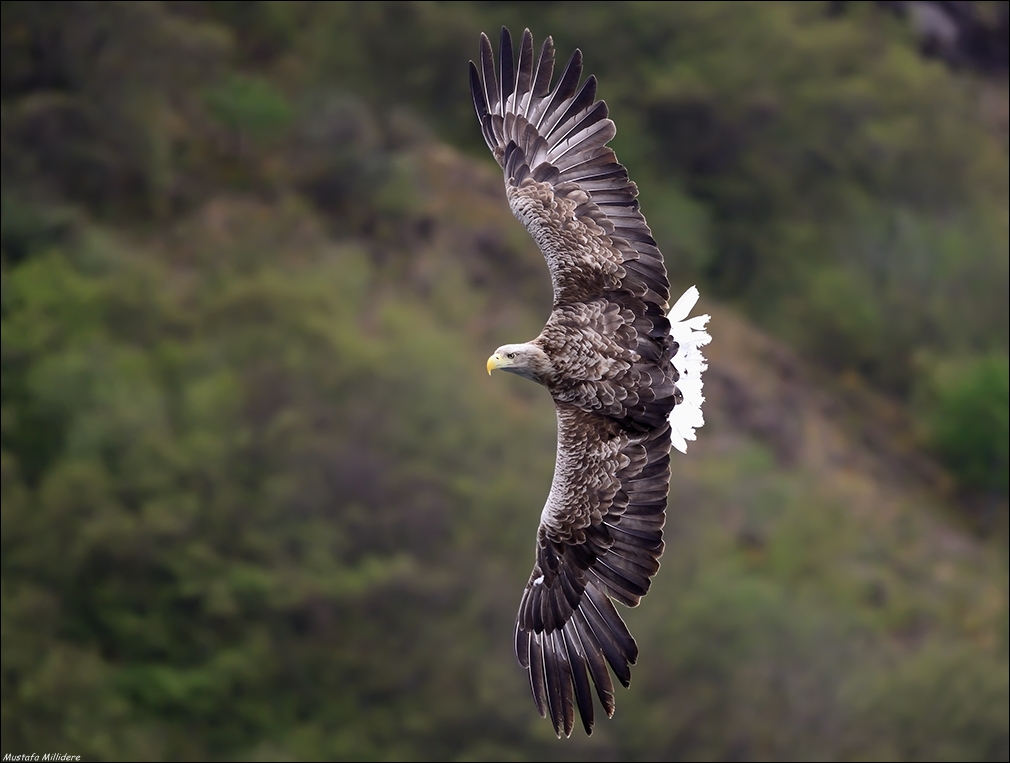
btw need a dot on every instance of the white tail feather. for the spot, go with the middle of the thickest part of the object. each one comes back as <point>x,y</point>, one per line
<point>690,334</point>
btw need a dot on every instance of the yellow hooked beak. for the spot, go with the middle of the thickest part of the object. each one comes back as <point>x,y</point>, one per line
<point>493,362</point>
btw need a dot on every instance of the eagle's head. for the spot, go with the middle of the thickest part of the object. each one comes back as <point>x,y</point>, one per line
<point>526,360</point>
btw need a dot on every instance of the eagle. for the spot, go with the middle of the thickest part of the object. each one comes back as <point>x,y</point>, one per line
<point>622,366</point>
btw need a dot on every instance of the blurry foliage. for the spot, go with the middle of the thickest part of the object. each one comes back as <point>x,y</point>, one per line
<point>823,158</point>
<point>219,461</point>
<point>905,286</point>
<point>968,419</point>
<point>946,705</point>
<point>249,106</point>
<point>97,100</point>
<point>259,499</point>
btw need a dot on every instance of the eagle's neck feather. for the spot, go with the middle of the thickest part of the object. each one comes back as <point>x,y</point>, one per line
<point>535,364</point>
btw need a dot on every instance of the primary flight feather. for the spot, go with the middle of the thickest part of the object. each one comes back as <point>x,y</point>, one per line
<point>623,368</point>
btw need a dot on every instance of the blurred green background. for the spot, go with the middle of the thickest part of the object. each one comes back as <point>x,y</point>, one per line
<point>260,499</point>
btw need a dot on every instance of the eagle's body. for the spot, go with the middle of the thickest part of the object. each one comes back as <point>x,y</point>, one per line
<point>611,363</point>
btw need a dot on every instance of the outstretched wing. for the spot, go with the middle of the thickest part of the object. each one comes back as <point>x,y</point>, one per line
<point>600,536</point>
<point>562,181</point>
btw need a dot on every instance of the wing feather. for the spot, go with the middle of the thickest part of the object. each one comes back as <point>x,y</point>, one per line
<point>537,675</point>
<point>600,537</point>
<point>506,71</point>
<point>491,92</point>
<point>524,73</point>
<point>545,71</point>
<point>558,124</point>
<point>596,662</point>
<point>571,173</point>
<point>552,671</point>
<point>580,681</point>
<point>546,114</point>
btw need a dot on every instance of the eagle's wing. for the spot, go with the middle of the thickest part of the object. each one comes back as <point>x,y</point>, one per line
<point>600,536</point>
<point>601,531</point>
<point>562,180</point>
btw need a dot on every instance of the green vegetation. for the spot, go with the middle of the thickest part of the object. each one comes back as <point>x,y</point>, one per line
<point>970,420</point>
<point>259,499</point>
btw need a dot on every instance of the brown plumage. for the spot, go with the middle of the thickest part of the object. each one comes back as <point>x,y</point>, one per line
<point>606,357</point>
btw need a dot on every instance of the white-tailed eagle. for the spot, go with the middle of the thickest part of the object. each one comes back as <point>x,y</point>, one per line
<point>623,368</point>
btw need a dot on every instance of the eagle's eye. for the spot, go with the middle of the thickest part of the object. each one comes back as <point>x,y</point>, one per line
<point>511,356</point>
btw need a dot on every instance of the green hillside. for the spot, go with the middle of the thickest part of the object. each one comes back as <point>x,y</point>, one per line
<point>260,499</point>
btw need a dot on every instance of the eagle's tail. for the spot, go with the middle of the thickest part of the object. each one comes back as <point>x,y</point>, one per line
<point>690,335</point>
